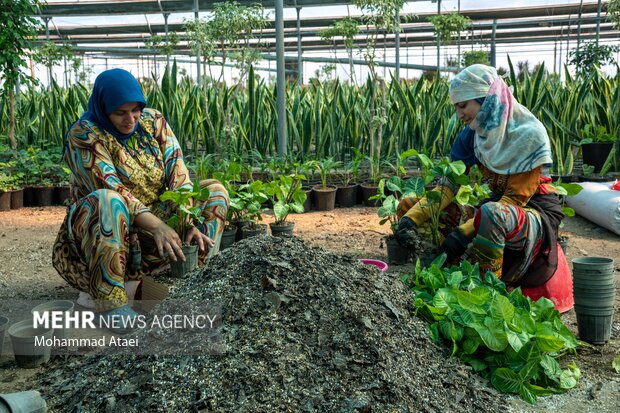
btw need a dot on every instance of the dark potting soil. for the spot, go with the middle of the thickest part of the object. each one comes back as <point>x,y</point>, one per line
<point>304,330</point>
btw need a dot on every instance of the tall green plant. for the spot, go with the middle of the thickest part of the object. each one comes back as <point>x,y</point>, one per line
<point>15,42</point>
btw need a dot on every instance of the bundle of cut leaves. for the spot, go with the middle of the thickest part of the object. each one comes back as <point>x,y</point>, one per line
<point>503,335</point>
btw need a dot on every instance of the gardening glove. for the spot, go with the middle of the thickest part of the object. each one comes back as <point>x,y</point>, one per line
<point>454,245</point>
<point>407,232</point>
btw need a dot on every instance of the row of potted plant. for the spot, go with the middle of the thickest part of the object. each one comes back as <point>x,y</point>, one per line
<point>39,170</point>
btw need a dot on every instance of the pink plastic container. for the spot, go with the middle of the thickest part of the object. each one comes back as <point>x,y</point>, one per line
<point>381,266</point>
<point>558,289</point>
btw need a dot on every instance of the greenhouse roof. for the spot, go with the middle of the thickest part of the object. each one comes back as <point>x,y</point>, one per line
<point>517,24</point>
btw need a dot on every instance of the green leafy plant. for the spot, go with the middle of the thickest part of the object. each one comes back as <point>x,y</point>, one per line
<point>616,363</point>
<point>448,25</point>
<point>587,170</point>
<point>249,199</point>
<point>591,54</point>
<point>399,164</point>
<point>568,189</point>
<point>185,212</point>
<point>503,335</point>
<point>287,196</point>
<point>471,57</point>
<point>437,171</point>
<point>592,134</point>
<point>325,166</point>
<point>16,40</point>
<point>388,210</point>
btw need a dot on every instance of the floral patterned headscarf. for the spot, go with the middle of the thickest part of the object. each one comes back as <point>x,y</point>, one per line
<point>509,139</point>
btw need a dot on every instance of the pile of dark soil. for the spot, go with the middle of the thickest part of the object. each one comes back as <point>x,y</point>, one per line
<point>304,330</point>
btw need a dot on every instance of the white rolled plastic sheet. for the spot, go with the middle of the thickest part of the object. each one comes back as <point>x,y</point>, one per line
<point>598,203</point>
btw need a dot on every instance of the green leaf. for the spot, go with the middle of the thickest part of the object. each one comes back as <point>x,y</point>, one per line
<point>501,308</point>
<point>507,381</point>
<point>474,300</point>
<point>570,377</point>
<point>616,363</point>
<point>493,334</point>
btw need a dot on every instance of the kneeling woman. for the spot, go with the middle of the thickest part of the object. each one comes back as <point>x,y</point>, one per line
<point>122,156</point>
<point>514,234</point>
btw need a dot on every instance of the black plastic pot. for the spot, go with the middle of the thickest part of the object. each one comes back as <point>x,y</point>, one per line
<point>239,225</point>
<point>324,198</point>
<point>5,201</point>
<point>594,178</point>
<point>308,202</point>
<point>228,237</point>
<point>62,194</point>
<point>397,254</point>
<point>248,231</point>
<point>596,154</point>
<point>17,199</point>
<point>179,268</point>
<point>44,196</point>
<point>282,230</point>
<point>369,190</point>
<point>346,196</point>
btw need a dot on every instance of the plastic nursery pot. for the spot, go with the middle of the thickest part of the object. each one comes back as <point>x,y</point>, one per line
<point>247,232</point>
<point>4,323</point>
<point>324,198</point>
<point>369,190</point>
<point>380,265</point>
<point>308,201</point>
<point>594,291</point>
<point>30,345</point>
<point>44,196</point>
<point>65,306</point>
<point>596,154</point>
<point>17,199</point>
<point>228,237</point>
<point>283,230</point>
<point>346,196</point>
<point>397,254</point>
<point>23,402</point>
<point>180,268</point>
<point>5,201</point>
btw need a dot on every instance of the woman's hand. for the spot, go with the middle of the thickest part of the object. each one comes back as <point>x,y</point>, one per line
<point>201,239</point>
<point>166,239</point>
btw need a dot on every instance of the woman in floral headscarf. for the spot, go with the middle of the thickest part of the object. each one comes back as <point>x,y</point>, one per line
<point>122,156</point>
<point>513,234</point>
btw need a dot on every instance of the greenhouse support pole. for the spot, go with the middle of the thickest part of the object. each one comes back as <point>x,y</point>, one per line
<point>47,39</point>
<point>397,46</point>
<point>493,49</point>
<point>166,15</point>
<point>300,67</point>
<point>281,78</point>
<point>438,41</point>
<point>196,17</point>
<point>598,21</point>
<point>579,25</point>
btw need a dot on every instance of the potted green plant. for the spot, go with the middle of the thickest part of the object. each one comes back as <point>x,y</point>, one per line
<point>388,212</point>
<point>6,186</point>
<point>227,176</point>
<point>251,196</point>
<point>287,196</point>
<point>184,217</point>
<point>347,193</point>
<point>325,195</point>
<point>596,145</point>
<point>588,174</point>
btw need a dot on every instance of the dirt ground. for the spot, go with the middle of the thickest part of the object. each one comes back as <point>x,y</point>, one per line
<point>27,235</point>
